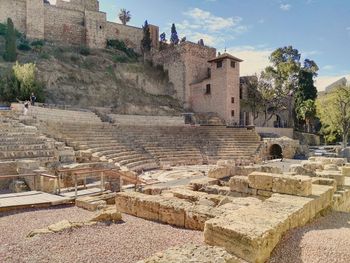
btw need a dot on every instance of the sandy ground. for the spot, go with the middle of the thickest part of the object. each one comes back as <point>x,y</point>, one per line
<point>127,242</point>
<point>326,240</point>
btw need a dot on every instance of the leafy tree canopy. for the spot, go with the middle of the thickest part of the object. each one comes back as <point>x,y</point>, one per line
<point>333,110</point>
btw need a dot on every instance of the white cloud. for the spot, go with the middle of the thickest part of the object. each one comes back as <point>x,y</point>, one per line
<point>255,60</point>
<point>328,67</point>
<point>285,7</point>
<point>214,30</point>
<point>211,22</point>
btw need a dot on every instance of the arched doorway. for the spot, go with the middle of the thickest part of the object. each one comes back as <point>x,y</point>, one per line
<point>276,151</point>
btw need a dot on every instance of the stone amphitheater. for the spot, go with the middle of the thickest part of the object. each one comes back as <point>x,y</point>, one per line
<point>200,178</point>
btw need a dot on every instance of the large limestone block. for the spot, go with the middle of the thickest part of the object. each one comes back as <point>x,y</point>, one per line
<point>126,202</point>
<point>183,193</point>
<point>108,214</point>
<point>260,181</point>
<point>246,170</point>
<point>312,166</point>
<point>191,253</point>
<point>249,233</point>
<point>271,169</point>
<point>298,169</point>
<point>201,183</point>
<point>336,175</point>
<point>147,207</point>
<point>331,167</point>
<point>345,171</point>
<point>292,185</point>
<point>329,160</point>
<point>172,211</point>
<point>196,216</point>
<point>219,172</point>
<point>239,184</point>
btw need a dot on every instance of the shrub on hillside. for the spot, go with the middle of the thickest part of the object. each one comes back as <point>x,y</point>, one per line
<point>24,45</point>
<point>120,45</point>
<point>120,59</point>
<point>3,29</point>
<point>38,43</point>
<point>85,51</point>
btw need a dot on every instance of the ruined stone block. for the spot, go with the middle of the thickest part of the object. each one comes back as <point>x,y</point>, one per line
<point>260,181</point>
<point>219,172</point>
<point>292,185</point>
<point>336,175</point>
<point>345,171</point>
<point>239,184</point>
<point>172,211</point>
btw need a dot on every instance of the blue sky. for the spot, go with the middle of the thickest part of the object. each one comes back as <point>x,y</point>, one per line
<point>251,29</point>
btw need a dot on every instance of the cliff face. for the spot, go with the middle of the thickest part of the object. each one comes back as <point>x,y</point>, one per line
<point>103,78</point>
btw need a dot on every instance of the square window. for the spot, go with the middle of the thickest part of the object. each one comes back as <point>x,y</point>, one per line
<point>232,113</point>
<point>233,64</point>
<point>208,89</point>
<point>219,64</point>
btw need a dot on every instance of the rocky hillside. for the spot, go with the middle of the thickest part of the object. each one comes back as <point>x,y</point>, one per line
<point>100,78</point>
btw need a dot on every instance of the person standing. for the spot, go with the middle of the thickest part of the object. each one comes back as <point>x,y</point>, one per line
<point>32,99</point>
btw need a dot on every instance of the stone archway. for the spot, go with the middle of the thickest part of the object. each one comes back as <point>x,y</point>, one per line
<point>276,151</point>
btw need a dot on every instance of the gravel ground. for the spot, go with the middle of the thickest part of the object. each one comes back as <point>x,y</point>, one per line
<point>130,241</point>
<point>325,240</point>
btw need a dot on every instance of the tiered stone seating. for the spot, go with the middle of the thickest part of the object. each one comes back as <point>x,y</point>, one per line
<point>195,145</point>
<point>58,115</point>
<point>105,143</point>
<point>147,120</point>
<point>18,141</point>
<point>140,142</point>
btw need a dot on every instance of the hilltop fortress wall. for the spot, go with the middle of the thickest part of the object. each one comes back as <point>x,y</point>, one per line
<point>77,22</point>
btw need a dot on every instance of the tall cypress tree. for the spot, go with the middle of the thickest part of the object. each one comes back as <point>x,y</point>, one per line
<point>146,42</point>
<point>10,44</point>
<point>174,39</point>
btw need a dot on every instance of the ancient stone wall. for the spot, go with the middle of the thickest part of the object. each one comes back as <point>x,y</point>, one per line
<point>186,63</point>
<point>35,19</point>
<point>64,26</point>
<point>77,22</point>
<point>16,10</point>
<point>95,28</point>
<point>132,36</point>
<point>79,5</point>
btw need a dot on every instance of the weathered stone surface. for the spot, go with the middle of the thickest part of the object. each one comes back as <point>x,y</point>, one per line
<point>95,202</point>
<point>345,171</point>
<point>198,184</point>
<point>219,172</point>
<point>40,231</point>
<point>336,175</point>
<point>325,181</point>
<point>190,253</point>
<point>60,226</point>
<point>312,166</point>
<point>260,181</point>
<point>108,214</point>
<point>298,169</point>
<point>331,167</point>
<point>184,193</point>
<point>293,185</point>
<point>239,184</point>
<point>328,160</point>
<point>252,232</point>
<point>196,216</point>
<point>172,211</point>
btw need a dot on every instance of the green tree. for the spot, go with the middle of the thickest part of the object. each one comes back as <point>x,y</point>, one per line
<point>146,42</point>
<point>306,89</point>
<point>333,110</point>
<point>124,16</point>
<point>10,43</point>
<point>20,82</point>
<point>307,112</point>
